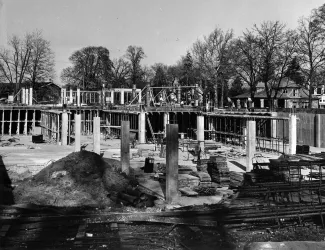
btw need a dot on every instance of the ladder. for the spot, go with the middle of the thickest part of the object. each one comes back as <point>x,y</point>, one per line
<point>151,130</point>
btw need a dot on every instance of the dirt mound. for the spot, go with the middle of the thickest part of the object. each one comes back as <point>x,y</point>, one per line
<point>79,179</point>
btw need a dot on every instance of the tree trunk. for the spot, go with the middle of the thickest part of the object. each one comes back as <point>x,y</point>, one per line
<point>216,103</point>
<point>310,97</point>
<point>222,93</point>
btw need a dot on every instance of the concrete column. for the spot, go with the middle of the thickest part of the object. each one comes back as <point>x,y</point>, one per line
<point>251,144</point>
<point>166,121</point>
<point>122,97</point>
<point>96,135</point>
<point>71,96</point>
<point>23,96</point>
<point>77,132</point>
<point>78,97</point>
<point>262,103</point>
<point>112,96</point>
<point>142,127</point>
<point>64,130</point>
<point>26,96</point>
<point>172,163</point>
<point>62,96</point>
<point>134,94</point>
<point>148,96</point>
<point>274,125</point>
<point>179,95</point>
<point>200,131</point>
<point>318,131</point>
<point>140,96</point>
<point>30,96</point>
<point>125,146</point>
<point>64,100</point>
<point>292,134</point>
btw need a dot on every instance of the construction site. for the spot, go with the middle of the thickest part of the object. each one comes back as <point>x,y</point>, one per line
<point>139,169</point>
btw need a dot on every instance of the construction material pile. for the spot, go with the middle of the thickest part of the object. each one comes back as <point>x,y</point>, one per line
<point>236,179</point>
<point>79,179</point>
<point>219,171</point>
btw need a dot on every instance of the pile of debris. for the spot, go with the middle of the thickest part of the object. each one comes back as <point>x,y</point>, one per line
<point>79,179</point>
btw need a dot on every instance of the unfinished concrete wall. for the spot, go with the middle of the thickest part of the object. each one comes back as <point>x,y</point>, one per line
<point>306,128</point>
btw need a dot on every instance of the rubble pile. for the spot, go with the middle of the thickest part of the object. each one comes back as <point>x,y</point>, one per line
<point>79,179</point>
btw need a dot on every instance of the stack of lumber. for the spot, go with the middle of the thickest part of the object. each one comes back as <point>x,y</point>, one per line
<point>219,171</point>
<point>236,179</point>
<point>186,180</point>
<point>206,191</point>
<point>205,179</point>
<point>202,165</point>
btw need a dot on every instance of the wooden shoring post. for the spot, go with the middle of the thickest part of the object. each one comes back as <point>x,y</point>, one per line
<point>58,129</point>
<point>69,127</point>
<point>125,146</point>
<point>18,123</point>
<point>25,123</point>
<point>34,119</point>
<point>172,163</point>
<point>3,122</point>
<point>10,122</point>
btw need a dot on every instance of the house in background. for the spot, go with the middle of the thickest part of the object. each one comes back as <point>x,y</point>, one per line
<point>289,95</point>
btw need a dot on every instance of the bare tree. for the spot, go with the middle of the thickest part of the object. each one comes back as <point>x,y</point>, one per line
<point>310,52</point>
<point>212,54</point>
<point>121,70</point>
<point>245,61</point>
<point>29,59</point>
<point>14,61</point>
<point>41,62</point>
<point>276,49</point>
<point>135,54</point>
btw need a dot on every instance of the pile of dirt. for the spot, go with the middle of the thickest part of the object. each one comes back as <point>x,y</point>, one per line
<point>79,179</point>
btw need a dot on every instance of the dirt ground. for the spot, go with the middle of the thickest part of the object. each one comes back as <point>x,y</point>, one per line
<point>80,179</point>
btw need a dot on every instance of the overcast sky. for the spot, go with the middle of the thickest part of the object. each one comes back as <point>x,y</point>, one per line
<point>165,29</point>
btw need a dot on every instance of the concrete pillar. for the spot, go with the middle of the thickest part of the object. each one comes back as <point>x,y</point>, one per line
<point>251,144</point>
<point>166,121</point>
<point>262,103</point>
<point>23,96</point>
<point>30,96</point>
<point>200,131</point>
<point>274,125</point>
<point>64,100</point>
<point>292,134</point>
<point>148,96</point>
<point>26,96</point>
<point>125,146</point>
<point>96,135</point>
<point>122,97</point>
<point>134,94</point>
<point>77,132</point>
<point>71,96</point>
<point>179,95</point>
<point>62,96</point>
<point>140,96</point>
<point>78,97</point>
<point>318,130</point>
<point>172,163</point>
<point>112,97</point>
<point>64,130</point>
<point>142,127</point>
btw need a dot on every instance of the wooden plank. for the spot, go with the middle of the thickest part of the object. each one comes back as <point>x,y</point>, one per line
<point>188,192</point>
<point>4,230</point>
